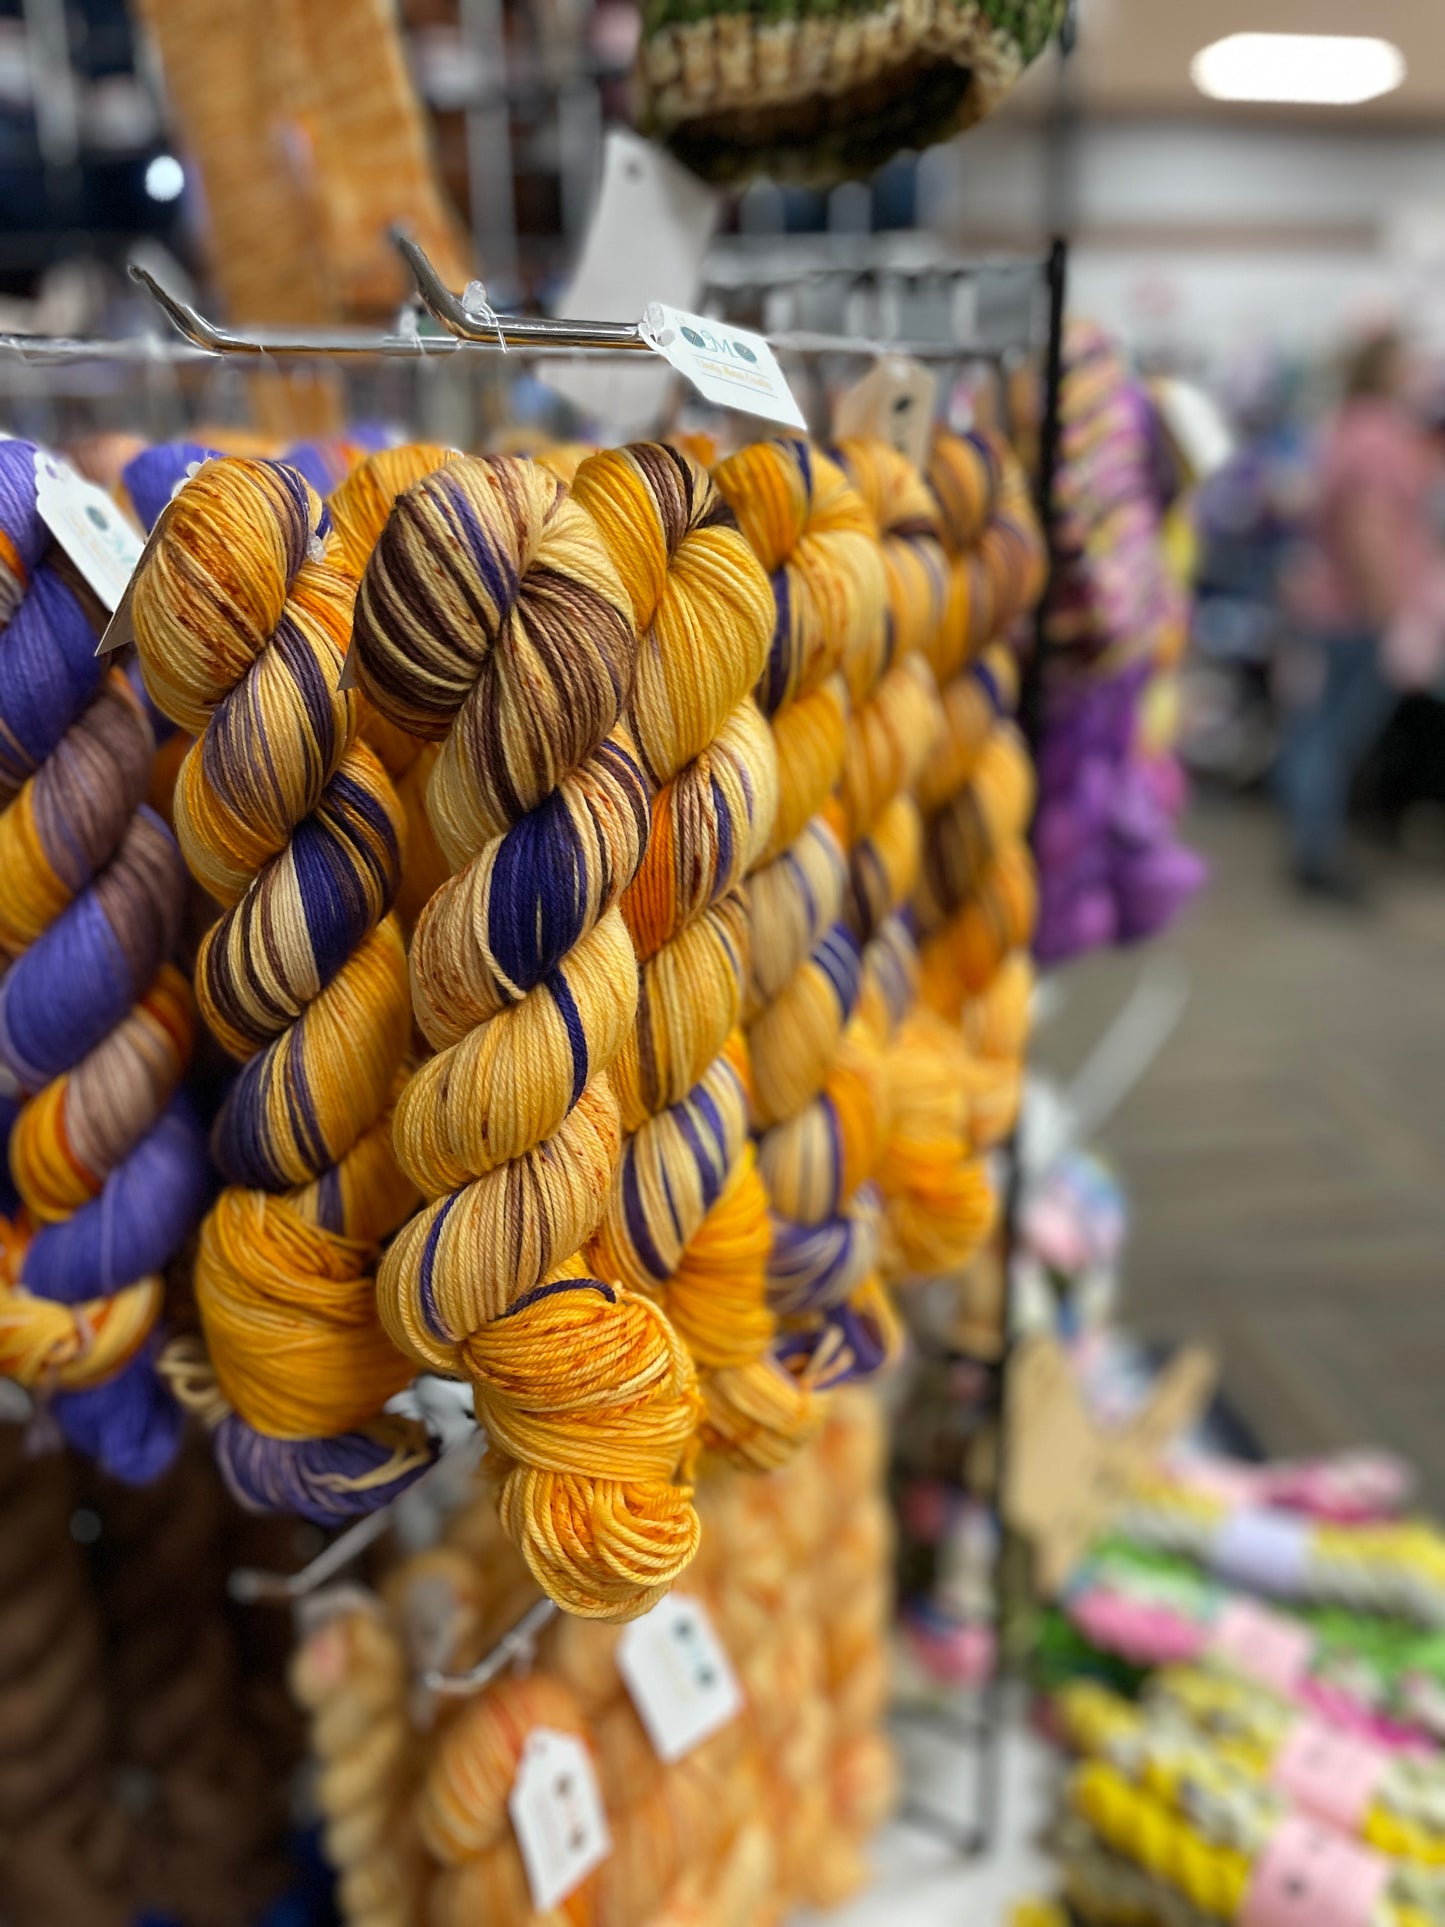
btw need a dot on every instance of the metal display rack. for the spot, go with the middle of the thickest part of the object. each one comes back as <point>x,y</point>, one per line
<point>463,327</point>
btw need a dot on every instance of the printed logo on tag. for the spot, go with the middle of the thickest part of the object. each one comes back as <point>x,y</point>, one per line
<point>1262,1645</point>
<point>894,402</point>
<point>1309,1877</point>
<point>681,1681</point>
<point>731,367</point>
<point>87,525</point>
<point>557,1815</point>
<point>1332,1776</point>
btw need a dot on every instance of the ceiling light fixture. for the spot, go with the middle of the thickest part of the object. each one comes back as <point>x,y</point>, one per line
<point>1307,69</point>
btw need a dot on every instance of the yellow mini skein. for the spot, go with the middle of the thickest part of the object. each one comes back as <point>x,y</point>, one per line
<point>492,621</point>
<point>688,1218</point>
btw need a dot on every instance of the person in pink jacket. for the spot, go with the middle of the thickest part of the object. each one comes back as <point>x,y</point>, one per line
<point>1372,570</point>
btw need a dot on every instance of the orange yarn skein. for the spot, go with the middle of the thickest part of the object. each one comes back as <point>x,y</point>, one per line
<point>492,621</point>
<point>688,1218</point>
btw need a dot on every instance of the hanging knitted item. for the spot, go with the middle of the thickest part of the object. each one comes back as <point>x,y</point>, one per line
<point>492,620</point>
<point>242,615</point>
<point>96,1027</point>
<point>810,91</point>
<point>688,1219</point>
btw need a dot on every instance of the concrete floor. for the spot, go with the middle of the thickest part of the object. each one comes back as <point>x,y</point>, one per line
<point>1285,1153</point>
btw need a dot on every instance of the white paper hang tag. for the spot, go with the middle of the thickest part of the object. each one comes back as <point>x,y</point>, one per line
<point>119,630</point>
<point>680,1679</point>
<point>556,1809</point>
<point>731,367</point>
<point>87,525</point>
<point>648,234</point>
<point>894,402</point>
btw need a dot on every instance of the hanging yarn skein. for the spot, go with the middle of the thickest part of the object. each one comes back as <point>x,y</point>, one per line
<point>816,1077</point>
<point>96,1026</point>
<point>940,1205</point>
<point>688,1219</point>
<point>242,614</point>
<point>978,789</point>
<point>491,620</point>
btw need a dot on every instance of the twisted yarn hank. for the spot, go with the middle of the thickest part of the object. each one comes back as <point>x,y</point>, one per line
<point>359,507</point>
<point>978,790</point>
<point>242,615</point>
<point>814,1081</point>
<point>491,620</point>
<point>96,1027</point>
<point>688,1217</point>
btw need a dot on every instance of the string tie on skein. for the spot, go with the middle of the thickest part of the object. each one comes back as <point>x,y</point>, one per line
<point>242,617</point>
<point>688,1219</point>
<point>96,1026</point>
<point>492,621</point>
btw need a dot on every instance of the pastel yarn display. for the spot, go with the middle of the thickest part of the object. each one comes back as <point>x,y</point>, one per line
<point>1353,1487</point>
<point>242,614</point>
<point>974,907</point>
<point>1374,1676</point>
<point>687,1223</point>
<point>96,1025</point>
<point>491,620</point>
<point>1390,1567</point>
<point>817,1086</point>
<point>1402,1810</point>
<point>1200,1829</point>
<point>1111,867</point>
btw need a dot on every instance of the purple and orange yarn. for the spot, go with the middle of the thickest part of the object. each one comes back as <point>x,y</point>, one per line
<point>105,1153</point>
<point>243,616</point>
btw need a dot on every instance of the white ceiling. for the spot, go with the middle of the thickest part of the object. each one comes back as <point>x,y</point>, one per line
<point>1133,55</point>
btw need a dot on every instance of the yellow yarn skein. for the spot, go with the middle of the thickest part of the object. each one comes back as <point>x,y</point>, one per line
<point>815,1077</point>
<point>492,621</point>
<point>242,617</point>
<point>688,1218</point>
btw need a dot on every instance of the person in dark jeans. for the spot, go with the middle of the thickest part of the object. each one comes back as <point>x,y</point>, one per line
<point>1372,547</point>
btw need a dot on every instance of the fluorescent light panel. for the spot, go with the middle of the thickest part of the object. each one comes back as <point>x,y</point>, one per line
<point>1309,69</point>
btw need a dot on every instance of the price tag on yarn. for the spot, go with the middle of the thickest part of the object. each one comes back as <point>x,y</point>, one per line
<point>87,525</point>
<point>1310,1877</point>
<point>731,367</point>
<point>681,1681</point>
<point>893,402</point>
<point>557,1816</point>
<point>1331,1776</point>
<point>120,630</point>
<point>1260,1645</point>
<point>1263,1551</point>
